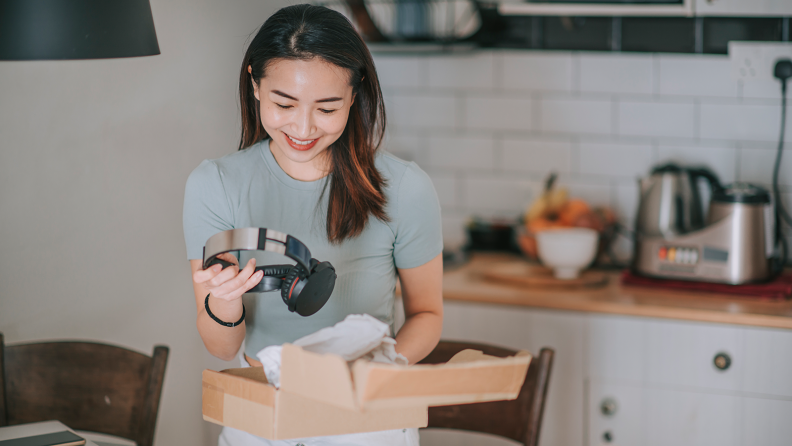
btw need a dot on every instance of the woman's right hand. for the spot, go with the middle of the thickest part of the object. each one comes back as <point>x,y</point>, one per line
<point>228,283</point>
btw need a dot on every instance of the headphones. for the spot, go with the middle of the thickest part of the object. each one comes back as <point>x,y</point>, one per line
<point>305,287</point>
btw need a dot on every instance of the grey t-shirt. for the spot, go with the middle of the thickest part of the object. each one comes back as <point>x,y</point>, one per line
<point>249,189</point>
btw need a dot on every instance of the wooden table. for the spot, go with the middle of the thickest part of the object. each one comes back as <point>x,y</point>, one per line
<point>465,283</point>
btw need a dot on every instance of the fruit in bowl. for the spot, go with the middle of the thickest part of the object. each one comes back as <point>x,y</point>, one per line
<point>554,209</point>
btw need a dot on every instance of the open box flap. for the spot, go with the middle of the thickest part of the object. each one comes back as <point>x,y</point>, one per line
<point>469,377</point>
<point>252,386</point>
<point>324,378</point>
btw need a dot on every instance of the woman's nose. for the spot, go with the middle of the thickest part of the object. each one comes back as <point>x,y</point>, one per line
<point>303,124</point>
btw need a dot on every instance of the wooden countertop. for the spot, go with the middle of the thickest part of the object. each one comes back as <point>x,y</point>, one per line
<point>466,283</point>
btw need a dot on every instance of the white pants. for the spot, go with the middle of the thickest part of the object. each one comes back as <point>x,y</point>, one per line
<point>396,437</point>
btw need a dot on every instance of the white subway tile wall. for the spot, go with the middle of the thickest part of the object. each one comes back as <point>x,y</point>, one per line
<point>616,73</point>
<point>488,126</point>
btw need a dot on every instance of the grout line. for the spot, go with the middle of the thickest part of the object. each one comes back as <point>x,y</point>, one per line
<point>498,79</point>
<point>460,106</point>
<point>655,151</point>
<point>697,120</point>
<point>575,74</point>
<point>574,156</point>
<point>497,154</point>
<point>655,75</point>
<point>536,112</point>
<point>615,115</point>
<point>460,180</point>
<point>737,166</point>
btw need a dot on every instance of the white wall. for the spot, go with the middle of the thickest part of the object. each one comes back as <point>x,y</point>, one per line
<point>93,160</point>
<point>488,126</point>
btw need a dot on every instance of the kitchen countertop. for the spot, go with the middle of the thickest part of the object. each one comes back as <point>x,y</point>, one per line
<point>466,283</point>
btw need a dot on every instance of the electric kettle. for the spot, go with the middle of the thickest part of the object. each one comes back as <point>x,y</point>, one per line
<point>733,245</point>
<point>670,202</point>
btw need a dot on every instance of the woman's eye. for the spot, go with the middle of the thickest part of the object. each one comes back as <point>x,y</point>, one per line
<point>325,111</point>
<point>283,106</point>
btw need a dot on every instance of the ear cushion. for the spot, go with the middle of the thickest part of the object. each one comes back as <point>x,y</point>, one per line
<point>293,278</point>
<point>275,270</point>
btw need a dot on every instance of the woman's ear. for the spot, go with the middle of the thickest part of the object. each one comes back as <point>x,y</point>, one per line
<point>255,84</point>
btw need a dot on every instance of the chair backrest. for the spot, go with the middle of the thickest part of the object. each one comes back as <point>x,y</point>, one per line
<point>87,386</point>
<point>519,419</point>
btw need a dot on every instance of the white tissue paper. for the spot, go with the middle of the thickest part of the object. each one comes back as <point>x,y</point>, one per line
<point>357,336</point>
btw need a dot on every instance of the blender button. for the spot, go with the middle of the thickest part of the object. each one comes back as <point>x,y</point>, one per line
<point>694,256</point>
<point>671,254</point>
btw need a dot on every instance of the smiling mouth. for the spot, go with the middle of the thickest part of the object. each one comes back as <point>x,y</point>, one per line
<point>299,144</point>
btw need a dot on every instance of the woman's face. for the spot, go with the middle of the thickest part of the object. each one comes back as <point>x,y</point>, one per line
<point>304,106</point>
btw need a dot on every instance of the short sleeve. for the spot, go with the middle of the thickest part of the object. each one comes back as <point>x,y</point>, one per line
<point>419,236</point>
<point>206,208</point>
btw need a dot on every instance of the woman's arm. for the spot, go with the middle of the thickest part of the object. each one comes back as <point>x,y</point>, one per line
<point>225,288</point>
<point>422,293</point>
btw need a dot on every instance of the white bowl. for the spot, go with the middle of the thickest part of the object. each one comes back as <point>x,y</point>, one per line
<point>567,250</point>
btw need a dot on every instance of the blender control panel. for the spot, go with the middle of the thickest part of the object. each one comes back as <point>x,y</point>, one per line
<point>678,254</point>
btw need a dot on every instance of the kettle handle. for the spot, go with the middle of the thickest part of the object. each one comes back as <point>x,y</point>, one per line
<point>703,172</point>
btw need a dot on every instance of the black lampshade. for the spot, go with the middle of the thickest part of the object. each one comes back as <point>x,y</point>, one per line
<point>76,29</point>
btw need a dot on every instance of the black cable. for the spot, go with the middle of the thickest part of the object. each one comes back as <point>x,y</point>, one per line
<point>782,71</point>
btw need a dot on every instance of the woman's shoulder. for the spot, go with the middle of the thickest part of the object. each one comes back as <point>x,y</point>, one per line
<point>236,165</point>
<point>406,182</point>
<point>398,172</point>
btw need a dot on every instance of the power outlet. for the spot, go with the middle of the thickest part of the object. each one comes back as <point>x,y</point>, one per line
<point>754,61</point>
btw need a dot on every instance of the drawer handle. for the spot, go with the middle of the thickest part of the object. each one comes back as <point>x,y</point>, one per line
<point>608,407</point>
<point>722,361</point>
<point>607,437</point>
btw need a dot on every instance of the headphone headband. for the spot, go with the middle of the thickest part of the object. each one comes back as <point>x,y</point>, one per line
<point>257,239</point>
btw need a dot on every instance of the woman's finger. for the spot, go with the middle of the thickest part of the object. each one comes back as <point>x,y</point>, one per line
<point>203,275</point>
<point>224,276</point>
<point>229,285</point>
<point>252,281</point>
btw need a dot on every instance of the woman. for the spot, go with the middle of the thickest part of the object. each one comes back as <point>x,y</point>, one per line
<point>312,119</point>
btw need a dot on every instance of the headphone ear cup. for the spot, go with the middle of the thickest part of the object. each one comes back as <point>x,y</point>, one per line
<point>293,278</point>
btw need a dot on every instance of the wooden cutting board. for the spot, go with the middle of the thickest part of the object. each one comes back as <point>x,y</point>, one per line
<point>532,275</point>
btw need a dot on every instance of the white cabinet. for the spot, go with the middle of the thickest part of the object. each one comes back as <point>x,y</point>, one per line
<point>531,329</point>
<point>768,362</point>
<point>659,374</point>
<point>677,418</point>
<point>767,422</point>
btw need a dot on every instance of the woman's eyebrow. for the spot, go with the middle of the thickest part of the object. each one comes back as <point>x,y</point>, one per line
<point>280,93</point>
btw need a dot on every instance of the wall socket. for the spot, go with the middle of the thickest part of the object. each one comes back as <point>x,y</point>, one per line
<point>755,61</point>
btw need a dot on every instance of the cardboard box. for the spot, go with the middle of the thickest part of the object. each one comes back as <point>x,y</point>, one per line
<point>322,395</point>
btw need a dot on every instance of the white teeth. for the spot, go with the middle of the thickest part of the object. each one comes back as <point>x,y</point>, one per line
<point>302,143</point>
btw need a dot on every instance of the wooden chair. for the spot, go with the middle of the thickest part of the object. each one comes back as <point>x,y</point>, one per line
<point>87,386</point>
<point>518,420</point>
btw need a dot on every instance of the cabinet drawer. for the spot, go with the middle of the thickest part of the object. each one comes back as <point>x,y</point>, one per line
<point>767,422</point>
<point>768,361</point>
<point>684,354</point>
<point>691,419</point>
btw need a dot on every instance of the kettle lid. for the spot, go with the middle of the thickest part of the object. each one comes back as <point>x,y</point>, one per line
<point>741,193</point>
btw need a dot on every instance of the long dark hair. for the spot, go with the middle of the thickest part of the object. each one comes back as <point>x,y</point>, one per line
<point>304,32</point>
